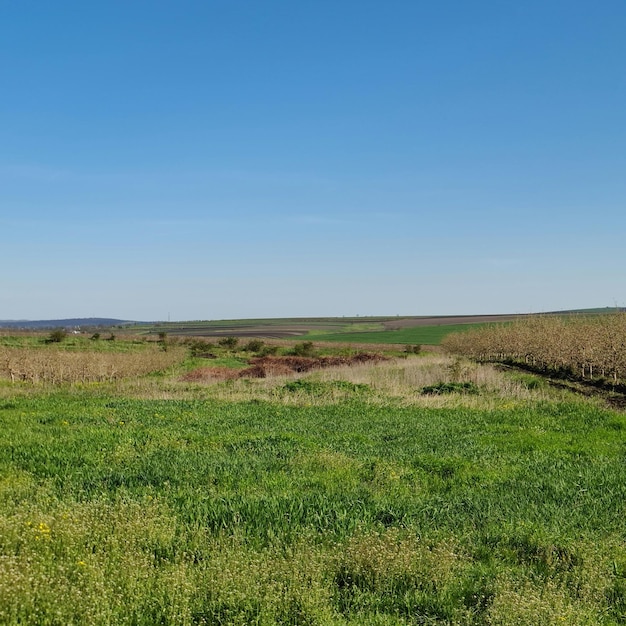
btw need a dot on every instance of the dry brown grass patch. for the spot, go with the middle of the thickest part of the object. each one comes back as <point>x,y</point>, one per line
<point>52,365</point>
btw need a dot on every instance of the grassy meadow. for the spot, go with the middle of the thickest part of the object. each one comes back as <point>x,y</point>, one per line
<point>372,494</point>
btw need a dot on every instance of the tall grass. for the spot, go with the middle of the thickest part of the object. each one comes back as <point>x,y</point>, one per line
<point>397,381</point>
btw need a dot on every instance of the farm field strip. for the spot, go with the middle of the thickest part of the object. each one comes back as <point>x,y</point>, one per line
<point>279,327</point>
<point>428,335</point>
<point>355,329</point>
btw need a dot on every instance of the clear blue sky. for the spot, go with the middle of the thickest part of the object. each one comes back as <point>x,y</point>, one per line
<point>227,159</point>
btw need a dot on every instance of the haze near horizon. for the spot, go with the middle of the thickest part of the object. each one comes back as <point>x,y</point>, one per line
<point>229,160</point>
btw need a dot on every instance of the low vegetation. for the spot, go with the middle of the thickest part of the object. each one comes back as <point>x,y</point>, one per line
<point>450,387</point>
<point>339,495</point>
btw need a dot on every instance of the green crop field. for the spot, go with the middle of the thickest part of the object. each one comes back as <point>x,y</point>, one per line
<point>430,335</point>
<point>343,496</point>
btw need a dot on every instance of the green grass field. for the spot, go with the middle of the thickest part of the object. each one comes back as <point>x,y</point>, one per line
<point>345,498</point>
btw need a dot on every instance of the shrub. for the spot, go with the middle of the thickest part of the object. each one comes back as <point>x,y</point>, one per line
<point>268,351</point>
<point>303,385</point>
<point>303,349</point>
<point>228,342</point>
<point>320,387</point>
<point>443,388</point>
<point>163,341</point>
<point>201,349</point>
<point>254,345</point>
<point>413,349</point>
<point>57,336</point>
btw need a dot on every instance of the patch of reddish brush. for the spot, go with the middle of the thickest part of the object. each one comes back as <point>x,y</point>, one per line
<point>262,367</point>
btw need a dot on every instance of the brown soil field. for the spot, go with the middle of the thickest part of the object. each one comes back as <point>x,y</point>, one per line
<point>410,322</point>
<point>263,332</point>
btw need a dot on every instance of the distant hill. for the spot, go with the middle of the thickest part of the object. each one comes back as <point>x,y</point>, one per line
<point>296,326</point>
<point>596,311</point>
<point>66,323</point>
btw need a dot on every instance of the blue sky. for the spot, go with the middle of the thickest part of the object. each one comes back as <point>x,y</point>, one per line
<point>228,159</point>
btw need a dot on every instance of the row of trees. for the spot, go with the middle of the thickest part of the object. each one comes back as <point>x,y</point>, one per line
<point>589,347</point>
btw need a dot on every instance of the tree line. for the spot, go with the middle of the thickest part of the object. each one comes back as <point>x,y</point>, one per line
<point>588,347</point>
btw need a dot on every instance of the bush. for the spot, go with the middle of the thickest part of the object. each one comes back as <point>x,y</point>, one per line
<point>254,345</point>
<point>199,348</point>
<point>443,388</point>
<point>228,342</point>
<point>268,351</point>
<point>413,349</point>
<point>320,387</point>
<point>303,349</point>
<point>57,336</point>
